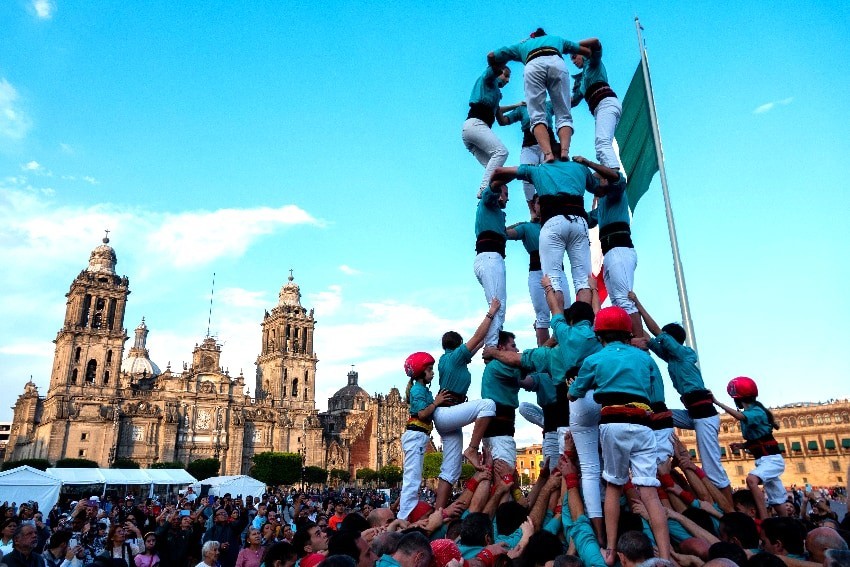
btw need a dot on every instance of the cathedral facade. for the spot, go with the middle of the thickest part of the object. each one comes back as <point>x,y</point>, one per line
<point>101,405</point>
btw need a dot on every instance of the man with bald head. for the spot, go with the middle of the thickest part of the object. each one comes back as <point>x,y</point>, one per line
<point>820,539</point>
<point>380,517</point>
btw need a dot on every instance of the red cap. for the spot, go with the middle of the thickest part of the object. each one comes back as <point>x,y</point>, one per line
<point>613,319</point>
<point>444,550</point>
<point>416,363</point>
<point>742,387</point>
<point>421,510</point>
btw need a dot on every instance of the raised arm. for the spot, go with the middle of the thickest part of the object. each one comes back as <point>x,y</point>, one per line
<point>731,411</point>
<point>556,304</point>
<point>651,325</point>
<point>504,356</point>
<point>604,171</point>
<point>591,43</point>
<point>503,175</point>
<point>477,339</point>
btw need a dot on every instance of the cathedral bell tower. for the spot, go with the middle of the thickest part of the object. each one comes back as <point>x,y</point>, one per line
<point>286,367</point>
<point>90,344</point>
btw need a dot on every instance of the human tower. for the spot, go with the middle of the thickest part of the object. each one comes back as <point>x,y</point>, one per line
<point>594,378</point>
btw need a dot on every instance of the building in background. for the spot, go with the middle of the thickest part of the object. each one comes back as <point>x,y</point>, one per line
<point>814,439</point>
<point>102,406</point>
<point>528,462</point>
<point>5,429</point>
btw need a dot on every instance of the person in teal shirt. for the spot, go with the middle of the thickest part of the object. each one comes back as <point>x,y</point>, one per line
<point>500,383</point>
<point>484,110</point>
<point>531,154</point>
<point>591,85</point>
<point>489,265</point>
<point>545,72</point>
<point>529,234</point>
<point>699,414</point>
<point>458,411</point>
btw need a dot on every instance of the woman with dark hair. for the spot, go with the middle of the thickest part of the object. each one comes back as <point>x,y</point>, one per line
<point>7,530</point>
<point>117,546</point>
<point>252,554</point>
<point>280,555</point>
<point>148,557</point>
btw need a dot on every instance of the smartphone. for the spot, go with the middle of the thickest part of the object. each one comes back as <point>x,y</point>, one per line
<point>72,543</point>
<point>808,487</point>
<point>185,512</point>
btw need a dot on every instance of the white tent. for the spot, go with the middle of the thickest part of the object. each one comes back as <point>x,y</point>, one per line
<point>77,476</point>
<point>234,485</point>
<point>136,477</point>
<point>26,483</point>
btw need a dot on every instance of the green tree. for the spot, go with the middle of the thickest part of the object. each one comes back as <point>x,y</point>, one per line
<point>466,471</point>
<point>367,475</point>
<point>390,474</point>
<point>40,464</point>
<point>125,463</point>
<point>70,463</point>
<point>204,468</point>
<point>315,475</point>
<point>276,468</point>
<point>431,465</point>
<point>340,474</point>
<point>168,465</point>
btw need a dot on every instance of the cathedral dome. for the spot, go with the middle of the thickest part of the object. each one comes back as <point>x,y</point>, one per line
<point>345,397</point>
<point>138,361</point>
<point>103,259</point>
<point>290,293</point>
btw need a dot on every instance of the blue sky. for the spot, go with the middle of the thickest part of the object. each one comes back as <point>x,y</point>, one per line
<point>248,139</point>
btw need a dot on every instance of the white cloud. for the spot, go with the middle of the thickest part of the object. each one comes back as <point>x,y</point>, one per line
<point>43,9</point>
<point>31,166</point>
<point>349,271</point>
<point>197,237</point>
<point>90,179</point>
<point>14,122</point>
<point>38,349</point>
<point>238,297</point>
<point>327,302</point>
<point>768,106</point>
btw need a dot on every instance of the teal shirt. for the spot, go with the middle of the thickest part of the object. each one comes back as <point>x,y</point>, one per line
<point>469,551</point>
<point>529,234</point>
<point>387,560</point>
<point>612,207</point>
<point>617,368</point>
<point>519,51</point>
<point>656,383</point>
<point>582,534</point>
<point>681,363</point>
<point>593,72</point>
<point>500,383</point>
<point>453,368</point>
<point>559,177</point>
<point>489,215</point>
<point>756,424</point>
<point>520,114</point>
<point>548,371</point>
<point>420,397</point>
<point>486,89</point>
<point>575,342</point>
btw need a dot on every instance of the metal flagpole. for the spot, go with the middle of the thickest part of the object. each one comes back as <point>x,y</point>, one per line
<point>687,323</point>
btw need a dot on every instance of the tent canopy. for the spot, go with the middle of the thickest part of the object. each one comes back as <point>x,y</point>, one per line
<point>26,483</point>
<point>122,476</point>
<point>234,485</point>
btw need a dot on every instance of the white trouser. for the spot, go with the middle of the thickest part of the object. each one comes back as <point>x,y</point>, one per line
<point>532,413</point>
<point>542,75</point>
<point>619,273</point>
<point>707,430</point>
<point>769,469</point>
<point>449,422</point>
<point>625,446</point>
<point>607,116</point>
<point>560,234</point>
<point>502,447</point>
<point>553,445</point>
<point>413,444</point>
<point>584,425</point>
<point>487,148</point>
<point>530,155</point>
<point>663,444</point>
<point>490,271</point>
<point>538,300</point>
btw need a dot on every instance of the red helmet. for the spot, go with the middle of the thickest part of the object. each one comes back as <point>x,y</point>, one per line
<point>613,319</point>
<point>416,363</point>
<point>742,387</point>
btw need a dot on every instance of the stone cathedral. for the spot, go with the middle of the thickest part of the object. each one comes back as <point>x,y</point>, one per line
<point>102,405</point>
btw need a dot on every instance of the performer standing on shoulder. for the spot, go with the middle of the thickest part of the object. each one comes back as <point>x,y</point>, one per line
<point>592,86</point>
<point>489,266</point>
<point>529,234</point>
<point>531,154</point>
<point>484,110</point>
<point>544,72</point>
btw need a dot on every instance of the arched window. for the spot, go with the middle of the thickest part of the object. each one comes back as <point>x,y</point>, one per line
<point>91,370</point>
<point>77,353</point>
<point>845,417</point>
<point>785,422</point>
<point>793,422</point>
<point>295,388</point>
<point>109,357</point>
<point>810,421</point>
<point>827,419</point>
<point>819,419</point>
<point>74,376</point>
<point>106,378</point>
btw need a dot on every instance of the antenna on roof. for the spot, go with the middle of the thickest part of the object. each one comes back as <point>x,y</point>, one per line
<point>212,295</point>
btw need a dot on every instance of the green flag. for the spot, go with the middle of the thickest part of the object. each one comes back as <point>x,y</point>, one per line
<point>634,137</point>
